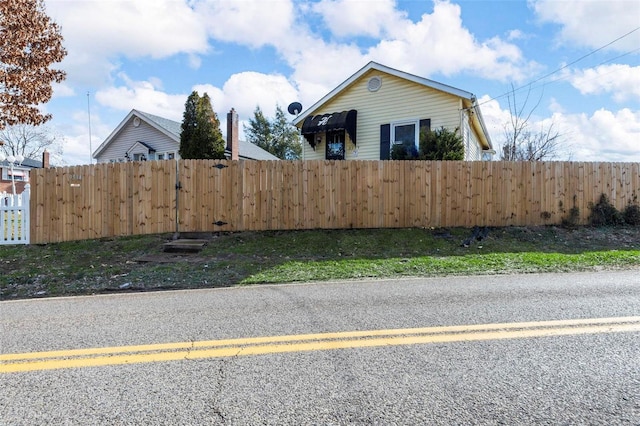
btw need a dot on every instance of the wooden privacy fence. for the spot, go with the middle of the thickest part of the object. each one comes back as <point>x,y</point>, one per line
<point>107,200</point>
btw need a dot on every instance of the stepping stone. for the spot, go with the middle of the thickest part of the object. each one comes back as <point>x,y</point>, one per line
<point>184,246</point>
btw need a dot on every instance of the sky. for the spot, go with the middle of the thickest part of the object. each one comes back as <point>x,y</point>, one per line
<point>575,63</point>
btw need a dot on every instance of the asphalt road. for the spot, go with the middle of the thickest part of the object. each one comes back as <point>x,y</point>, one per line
<point>406,366</point>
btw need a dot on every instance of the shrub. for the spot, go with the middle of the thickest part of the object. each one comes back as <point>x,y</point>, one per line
<point>443,144</point>
<point>604,213</point>
<point>631,214</point>
<point>573,219</point>
<point>404,151</point>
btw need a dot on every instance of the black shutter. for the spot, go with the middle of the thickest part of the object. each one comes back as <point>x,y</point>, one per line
<point>425,125</point>
<point>385,141</point>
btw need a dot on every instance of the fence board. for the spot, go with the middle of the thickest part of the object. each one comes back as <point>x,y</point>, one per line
<point>107,200</point>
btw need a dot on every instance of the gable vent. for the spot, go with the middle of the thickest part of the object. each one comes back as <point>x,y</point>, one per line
<point>374,84</point>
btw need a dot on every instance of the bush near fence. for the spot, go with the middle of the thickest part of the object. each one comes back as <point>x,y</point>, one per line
<point>107,200</point>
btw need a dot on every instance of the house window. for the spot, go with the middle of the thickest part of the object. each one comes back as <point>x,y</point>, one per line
<point>405,132</point>
<point>139,157</point>
<point>400,132</point>
<point>165,155</point>
<point>19,175</point>
<point>335,145</point>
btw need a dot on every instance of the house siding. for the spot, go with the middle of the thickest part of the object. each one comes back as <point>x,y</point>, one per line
<point>396,100</point>
<point>472,146</point>
<point>130,134</point>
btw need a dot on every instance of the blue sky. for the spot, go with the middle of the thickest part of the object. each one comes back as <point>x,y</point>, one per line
<point>150,54</point>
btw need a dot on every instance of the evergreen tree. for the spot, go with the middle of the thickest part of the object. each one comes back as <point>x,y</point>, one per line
<point>201,137</point>
<point>188,128</point>
<point>258,132</point>
<point>443,144</point>
<point>29,43</point>
<point>278,136</point>
<point>286,138</point>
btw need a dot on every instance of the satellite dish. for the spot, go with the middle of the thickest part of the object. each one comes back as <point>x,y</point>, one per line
<point>294,108</point>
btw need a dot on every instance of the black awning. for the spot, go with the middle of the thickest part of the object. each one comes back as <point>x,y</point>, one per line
<point>345,120</point>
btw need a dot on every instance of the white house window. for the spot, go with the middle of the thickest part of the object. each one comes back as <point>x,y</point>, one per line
<point>19,175</point>
<point>139,157</point>
<point>171,155</point>
<point>405,132</point>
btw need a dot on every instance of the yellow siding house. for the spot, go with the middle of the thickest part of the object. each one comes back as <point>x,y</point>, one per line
<point>379,106</point>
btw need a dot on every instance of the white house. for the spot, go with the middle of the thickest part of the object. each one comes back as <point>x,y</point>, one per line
<point>142,136</point>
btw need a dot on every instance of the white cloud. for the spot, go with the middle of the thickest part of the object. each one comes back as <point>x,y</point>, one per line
<point>248,89</point>
<point>97,32</point>
<point>360,18</point>
<point>142,95</point>
<point>155,28</point>
<point>607,135</point>
<point>244,91</point>
<point>602,136</point>
<point>317,74</point>
<point>76,146</point>
<point>495,118</point>
<point>253,23</point>
<point>593,23</point>
<point>61,90</point>
<point>622,81</point>
<point>515,35</point>
<point>439,43</point>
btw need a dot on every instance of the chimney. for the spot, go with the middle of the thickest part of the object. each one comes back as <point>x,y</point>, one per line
<point>232,134</point>
<point>45,159</point>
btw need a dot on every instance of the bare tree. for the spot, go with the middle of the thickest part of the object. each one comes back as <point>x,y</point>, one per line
<point>29,43</point>
<point>521,142</point>
<point>31,142</point>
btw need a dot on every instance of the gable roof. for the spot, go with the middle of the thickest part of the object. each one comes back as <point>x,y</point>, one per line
<point>170,126</point>
<point>173,129</point>
<point>468,97</point>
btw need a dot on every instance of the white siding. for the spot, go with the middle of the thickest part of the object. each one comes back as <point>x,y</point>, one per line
<point>130,134</point>
<point>396,100</point>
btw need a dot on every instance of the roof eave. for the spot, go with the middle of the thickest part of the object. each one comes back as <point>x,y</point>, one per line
<point>478,119</point>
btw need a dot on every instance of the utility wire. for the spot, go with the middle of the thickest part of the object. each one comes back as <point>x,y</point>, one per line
<point>568,65</point>
<point>566,77</point>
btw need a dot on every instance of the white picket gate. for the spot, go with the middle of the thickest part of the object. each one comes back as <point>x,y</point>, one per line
<point>14,217</point>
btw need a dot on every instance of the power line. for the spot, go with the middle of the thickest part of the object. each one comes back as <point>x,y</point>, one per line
<point>568,65</point>
<point>566,77</point>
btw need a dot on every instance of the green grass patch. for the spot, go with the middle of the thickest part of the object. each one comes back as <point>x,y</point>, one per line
<point>240,258</point>
<point>493,263</point>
